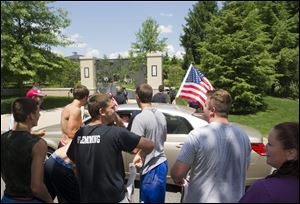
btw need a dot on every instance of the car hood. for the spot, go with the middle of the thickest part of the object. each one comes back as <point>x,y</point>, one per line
<point>134,106</point>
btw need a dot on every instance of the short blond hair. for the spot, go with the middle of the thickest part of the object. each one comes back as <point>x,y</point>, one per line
<point>221,100</point>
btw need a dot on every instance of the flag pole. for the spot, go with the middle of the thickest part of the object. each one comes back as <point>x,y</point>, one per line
<point>186,75</point>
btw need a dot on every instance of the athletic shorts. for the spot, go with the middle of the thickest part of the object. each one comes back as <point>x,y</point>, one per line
<point>153,184</point>
<point>8,199</point>
<point>61,180</point>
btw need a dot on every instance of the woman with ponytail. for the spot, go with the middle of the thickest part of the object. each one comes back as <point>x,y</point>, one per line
<point>282,186</point>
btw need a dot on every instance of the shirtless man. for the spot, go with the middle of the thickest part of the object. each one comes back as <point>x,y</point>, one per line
<point>71,116</point>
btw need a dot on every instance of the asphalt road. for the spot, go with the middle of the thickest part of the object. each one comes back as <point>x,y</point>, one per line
<point>171,196</point>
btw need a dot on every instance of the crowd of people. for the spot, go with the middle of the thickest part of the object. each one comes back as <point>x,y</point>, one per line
<point>88,164</point>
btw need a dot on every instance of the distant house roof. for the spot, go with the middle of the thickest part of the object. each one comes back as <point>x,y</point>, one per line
<point>75,56</point>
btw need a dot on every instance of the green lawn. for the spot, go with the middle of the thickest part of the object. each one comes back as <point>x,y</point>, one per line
<point>279,110</point>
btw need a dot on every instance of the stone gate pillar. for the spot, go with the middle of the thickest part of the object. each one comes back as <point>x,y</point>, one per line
<point>88,73</point>
<point>154,71</point>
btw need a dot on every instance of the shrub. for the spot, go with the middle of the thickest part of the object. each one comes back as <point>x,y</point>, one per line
<point>49,103</point>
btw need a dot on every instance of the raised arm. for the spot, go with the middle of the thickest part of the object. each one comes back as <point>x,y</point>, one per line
<point>118,121</point>
<point>38,187</point>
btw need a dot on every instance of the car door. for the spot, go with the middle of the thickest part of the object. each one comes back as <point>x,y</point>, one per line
<point>177,129</point>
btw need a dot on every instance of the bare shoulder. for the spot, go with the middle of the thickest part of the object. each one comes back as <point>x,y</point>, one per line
<point>40,147</point>
<point>70,109</point>
<point>75,112</point>
<point>66,110</point>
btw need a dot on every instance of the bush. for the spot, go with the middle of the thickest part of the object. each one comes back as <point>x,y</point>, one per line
<point>49,103</point>
<point>247,102</point>
<point>56,102</point>
<point>6,105</point>
<point>291,90</point>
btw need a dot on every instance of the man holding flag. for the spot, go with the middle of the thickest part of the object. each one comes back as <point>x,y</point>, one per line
<point>194,86</point>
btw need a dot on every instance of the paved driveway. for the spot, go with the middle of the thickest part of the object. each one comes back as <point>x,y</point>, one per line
<point>47,118</point>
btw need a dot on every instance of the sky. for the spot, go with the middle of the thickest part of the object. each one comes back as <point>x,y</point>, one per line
<point>109,28</point>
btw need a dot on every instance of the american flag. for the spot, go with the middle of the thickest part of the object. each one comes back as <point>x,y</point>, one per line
<point>195,87</point>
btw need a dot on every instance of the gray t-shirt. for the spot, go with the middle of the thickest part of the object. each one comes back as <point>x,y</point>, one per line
<point>219,155</point>
<point>152,124</point>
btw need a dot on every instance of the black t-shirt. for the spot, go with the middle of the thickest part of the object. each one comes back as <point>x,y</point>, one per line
<point>120,99</point>
<point>97,153</point>
<point>160,98</point>
<point>16,158</point>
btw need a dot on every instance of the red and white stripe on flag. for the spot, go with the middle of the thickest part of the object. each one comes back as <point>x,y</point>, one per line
<point>195,87</point>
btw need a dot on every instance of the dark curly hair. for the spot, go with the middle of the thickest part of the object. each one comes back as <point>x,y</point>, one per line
<point>288,135</point>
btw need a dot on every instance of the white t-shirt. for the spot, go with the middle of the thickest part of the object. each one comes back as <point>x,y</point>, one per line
<point>219,155</point>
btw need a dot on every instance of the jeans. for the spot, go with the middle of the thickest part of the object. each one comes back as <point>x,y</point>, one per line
<point>153,184</point>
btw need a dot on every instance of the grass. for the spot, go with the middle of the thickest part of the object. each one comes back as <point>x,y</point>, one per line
<point>128,85</point>
<point>279,110</point>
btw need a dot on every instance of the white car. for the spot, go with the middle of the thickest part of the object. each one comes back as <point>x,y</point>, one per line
<point>180,121</point>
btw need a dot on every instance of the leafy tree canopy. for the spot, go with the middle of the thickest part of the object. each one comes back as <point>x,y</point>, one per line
<point>28,31</point>
<point>147,38</point>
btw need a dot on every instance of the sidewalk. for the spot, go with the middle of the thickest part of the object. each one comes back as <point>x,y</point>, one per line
<point>47,118</point>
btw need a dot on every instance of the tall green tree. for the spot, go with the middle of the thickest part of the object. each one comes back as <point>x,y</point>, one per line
<point>172,71</point>
<point>282,23</point>
<point>147,38</point>
<point>147,41</point>
<point>28,31</point>
<point>69,76</point>
<point>106,68</point>
<point>236,56</point>
<point>194,31</point>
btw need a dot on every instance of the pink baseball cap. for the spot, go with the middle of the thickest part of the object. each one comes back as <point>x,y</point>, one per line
<point>35,92</point>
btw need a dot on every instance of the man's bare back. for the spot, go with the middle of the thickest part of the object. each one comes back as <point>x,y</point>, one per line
<point>71,120</point>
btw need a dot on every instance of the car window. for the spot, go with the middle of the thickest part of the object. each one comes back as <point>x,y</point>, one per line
<point>177,125</point>
<point>125,115</point>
